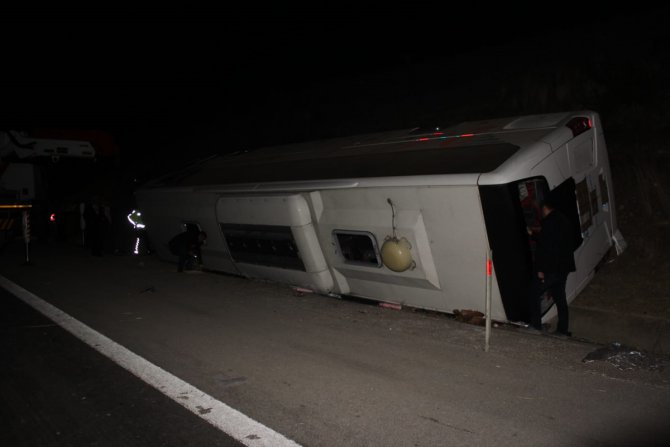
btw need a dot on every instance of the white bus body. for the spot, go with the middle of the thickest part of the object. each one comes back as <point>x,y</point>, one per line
<point>316,215</point>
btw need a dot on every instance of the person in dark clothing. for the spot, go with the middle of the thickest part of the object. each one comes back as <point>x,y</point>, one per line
<point>186,246</point>
<point>96,227</point>
<point>554,260</point>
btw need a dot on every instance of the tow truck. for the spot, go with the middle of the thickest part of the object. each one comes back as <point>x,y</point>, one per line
<point>22,159</point>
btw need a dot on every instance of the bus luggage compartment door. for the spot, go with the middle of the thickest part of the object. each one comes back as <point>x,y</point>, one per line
<point>272,237</point>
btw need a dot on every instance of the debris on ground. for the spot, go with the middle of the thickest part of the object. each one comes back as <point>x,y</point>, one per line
<point>149,289</point>
<point>626,357</point>
<point>470,316</point>
<point>390,306</point>
<point>301,291</point>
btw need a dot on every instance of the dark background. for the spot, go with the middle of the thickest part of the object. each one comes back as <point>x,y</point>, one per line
<point>171,85</point>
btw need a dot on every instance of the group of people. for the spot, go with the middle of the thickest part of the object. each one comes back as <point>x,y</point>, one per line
<point>185,245</point>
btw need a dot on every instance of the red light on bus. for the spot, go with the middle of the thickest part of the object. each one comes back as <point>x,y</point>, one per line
<point>579,125</point>
<point>467,135</point>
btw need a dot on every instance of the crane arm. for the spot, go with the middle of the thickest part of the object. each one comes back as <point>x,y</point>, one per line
<point>12,142</point>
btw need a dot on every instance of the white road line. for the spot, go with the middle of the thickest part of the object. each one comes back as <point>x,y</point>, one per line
<point>235,424</point>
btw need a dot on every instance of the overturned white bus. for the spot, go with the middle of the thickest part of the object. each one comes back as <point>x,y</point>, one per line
<point>405,217</point>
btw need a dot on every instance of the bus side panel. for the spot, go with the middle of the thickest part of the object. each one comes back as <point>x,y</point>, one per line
<point>445,228</point>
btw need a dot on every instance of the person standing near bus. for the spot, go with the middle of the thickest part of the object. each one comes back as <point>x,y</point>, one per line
<point>186,246</point>
<point>554,260</point>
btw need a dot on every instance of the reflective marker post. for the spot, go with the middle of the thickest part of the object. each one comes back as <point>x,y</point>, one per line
<point>489,286</point>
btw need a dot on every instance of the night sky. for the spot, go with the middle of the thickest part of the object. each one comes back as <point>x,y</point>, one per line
<point>174,85</point>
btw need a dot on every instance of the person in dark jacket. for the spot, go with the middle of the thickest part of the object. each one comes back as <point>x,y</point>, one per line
<point>96,227</point>
<point>186,246</point>
<point>554,260</point>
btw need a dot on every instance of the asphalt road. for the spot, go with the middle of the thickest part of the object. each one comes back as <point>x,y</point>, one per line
<point>329,372</point>
<point>57,391</point>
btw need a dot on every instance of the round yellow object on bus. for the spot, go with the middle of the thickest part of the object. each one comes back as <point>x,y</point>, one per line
<point>396,254</point>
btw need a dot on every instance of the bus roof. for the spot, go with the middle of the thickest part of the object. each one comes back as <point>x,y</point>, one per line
<point>467,148</point>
